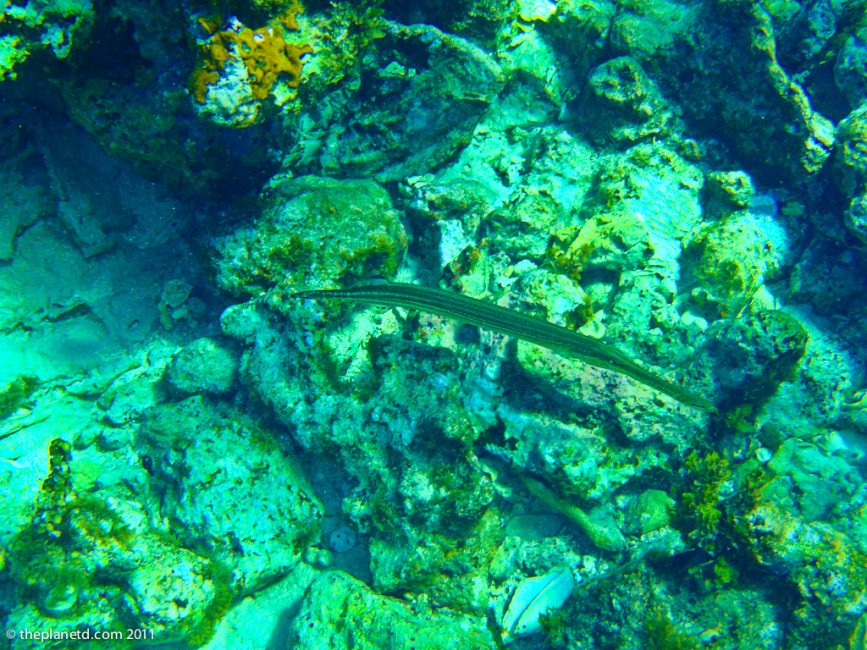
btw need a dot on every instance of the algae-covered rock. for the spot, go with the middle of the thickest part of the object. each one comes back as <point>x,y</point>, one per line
<point>340,612</point>
<point>827,568</point>
<point>650,28</point>
<point>205,365</point>
<point>176,304</point>
<point>623,104</point>
<point>135,388</point>
<point>570,456</point>
<point>177,591</point>
<point>855,217</point>
<point>811,33</point>
<point>243,321</point>
<point>649,511</point>
<point>517,182</point>
<point>850,68</point>
<point>419,398</point>
<point>227,484</point>
<point>650,204</point>
<point>135,102</point>
<point>580,32</point>
<point>850,154</point>
<point>754,354</point>
<point>15,393</point>
<point>314,232</point>
<point>627,255</point>
<point>449,565</point>
<point>733,257</point>
<point>145,124</point>
<point>171,591</point>
<point>421,95</point>
<point>825,379</point>
<point>674,614</point>
<point>394,418</point>
<point>91,556</point>
<point>815,481</point>
<point>274,372</point>
<point>729,190</point>
<point>829,282</point>
<point>37,25</point>
<point>730,77</point>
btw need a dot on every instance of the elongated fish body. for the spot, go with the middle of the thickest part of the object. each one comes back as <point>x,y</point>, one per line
<point>498,319</point>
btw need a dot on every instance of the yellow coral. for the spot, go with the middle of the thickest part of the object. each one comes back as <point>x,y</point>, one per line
<point>264,52</point>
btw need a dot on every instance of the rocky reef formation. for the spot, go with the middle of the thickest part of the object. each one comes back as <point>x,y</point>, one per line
<point>189,449</point>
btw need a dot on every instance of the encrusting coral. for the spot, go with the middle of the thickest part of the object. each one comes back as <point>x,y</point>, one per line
<point>246,63</point>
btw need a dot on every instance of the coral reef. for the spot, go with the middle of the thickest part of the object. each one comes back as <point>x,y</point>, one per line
<point>850,169</point>
<point>191,445</point>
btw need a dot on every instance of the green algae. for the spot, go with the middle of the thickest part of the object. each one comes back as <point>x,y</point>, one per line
<point>51,560</point>
<point>12,52</point>
<point>660,633</point>
<point>78,551</point>
<point>16,392</point>
<point>707,485</point>
<point>37,25</point>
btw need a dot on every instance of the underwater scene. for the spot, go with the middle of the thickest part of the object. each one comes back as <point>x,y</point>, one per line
<point>433,324</point>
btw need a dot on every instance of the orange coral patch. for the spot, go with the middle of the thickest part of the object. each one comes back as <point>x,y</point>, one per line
<point>265,53</point>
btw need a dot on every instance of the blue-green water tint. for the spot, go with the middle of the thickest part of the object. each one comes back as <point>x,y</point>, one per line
<point>190,457</point>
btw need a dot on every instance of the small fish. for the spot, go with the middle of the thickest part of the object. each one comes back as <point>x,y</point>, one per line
<point>534,597</point>
<point>512,323</point>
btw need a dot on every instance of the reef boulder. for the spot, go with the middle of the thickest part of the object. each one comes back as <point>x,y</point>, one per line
<point>420,96</point>
<point>341,612</point>
<point>313,232</point>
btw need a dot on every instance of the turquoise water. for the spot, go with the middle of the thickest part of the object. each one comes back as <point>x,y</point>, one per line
<point>192,455</point>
